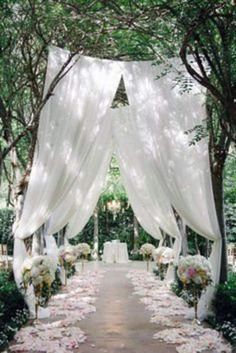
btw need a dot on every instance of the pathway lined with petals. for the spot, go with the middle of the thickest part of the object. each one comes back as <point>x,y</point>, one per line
<point>134,313</point>
<point>61,332</point>
<point>169,312</point>
<point>121,324</point>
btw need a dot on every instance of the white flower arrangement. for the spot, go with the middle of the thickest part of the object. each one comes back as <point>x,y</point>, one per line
<point>147,250</point>
<point>67,256</point>
<point>38,270</point>
<point>167,256</point>
<point>163,255</point>
<point>83,250</point>
<point>195,271</point>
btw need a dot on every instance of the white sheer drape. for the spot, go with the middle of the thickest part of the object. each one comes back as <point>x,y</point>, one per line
<point>139,177</point>
<point>69,124</point>
<point>90,195</point>
<point>164,112</point>
<point>81,200</point>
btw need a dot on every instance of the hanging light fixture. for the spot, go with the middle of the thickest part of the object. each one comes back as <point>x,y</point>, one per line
<point>114,207</point>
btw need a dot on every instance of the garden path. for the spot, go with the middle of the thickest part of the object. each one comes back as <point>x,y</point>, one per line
<point>121,324</point>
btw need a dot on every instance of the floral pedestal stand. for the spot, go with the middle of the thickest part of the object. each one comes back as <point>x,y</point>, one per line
<point>65,281</point>
<point>83,259</point>
<point>148,262</point>
<point>195,272</point>
<point>37,292</point>
<point>196,295</point>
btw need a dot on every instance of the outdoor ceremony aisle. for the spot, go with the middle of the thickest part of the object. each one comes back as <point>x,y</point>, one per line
<point>121,324</point>
<point>135,313</point>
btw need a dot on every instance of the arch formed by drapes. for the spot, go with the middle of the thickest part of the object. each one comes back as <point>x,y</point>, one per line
<point>160,167</point>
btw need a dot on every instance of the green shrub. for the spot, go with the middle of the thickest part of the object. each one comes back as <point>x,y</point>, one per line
<point>224,318</point>
<point>6,222</point>
<point>13,311</point>
<point>56,284</point>
<point>135,256</point>
<point>225,300</point>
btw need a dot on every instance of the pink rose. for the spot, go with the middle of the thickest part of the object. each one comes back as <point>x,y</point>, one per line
<point>191,272</point>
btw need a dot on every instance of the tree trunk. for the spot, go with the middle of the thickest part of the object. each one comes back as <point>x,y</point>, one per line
<point>37,245</point>
<point>164,237</point>
<point>208,248</point>
<point>183,232</point>
<point>217,184</point>
<point>219,144</point>
<point>95,234</point>
<point>107,223</point>
<point>196,244</point>
<point>136,234</point>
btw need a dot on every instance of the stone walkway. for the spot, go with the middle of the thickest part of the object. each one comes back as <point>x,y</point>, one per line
<point>121,323</point>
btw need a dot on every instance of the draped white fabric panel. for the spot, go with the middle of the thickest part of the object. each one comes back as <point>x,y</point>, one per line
<point>163,114</point>
<point>69,124</point>
<point>142,185</point>
<point>90,198</point>
<point>79,203</point>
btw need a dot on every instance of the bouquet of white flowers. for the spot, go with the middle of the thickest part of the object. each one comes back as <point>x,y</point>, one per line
<point>67,257</point>
<point>83,250</point>
<point>195,273</point>
<point>163,257</point>
<point>39,271</point>
<point>147,250</point>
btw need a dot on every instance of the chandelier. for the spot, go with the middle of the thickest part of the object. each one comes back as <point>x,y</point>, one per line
<point>114,206</point>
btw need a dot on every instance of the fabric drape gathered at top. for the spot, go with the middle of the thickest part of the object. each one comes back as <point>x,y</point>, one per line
<point>69,124</point>
<point>166,114</point>
<point>159,165</point>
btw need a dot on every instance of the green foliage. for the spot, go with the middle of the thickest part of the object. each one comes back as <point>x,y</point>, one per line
<point>160,271</point>
<point>229,331</point>
<point>230,197</point>
<point>13,311</point>
<point>71,271</point>
<point>224,303</point>
<point>56,284</point>
<point>6,221</point>
<point>225,300</point>
<point>135,255</point>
